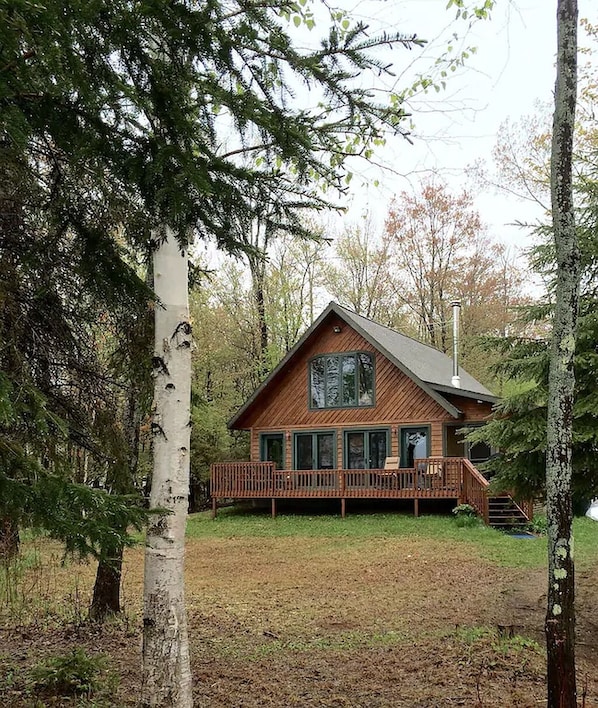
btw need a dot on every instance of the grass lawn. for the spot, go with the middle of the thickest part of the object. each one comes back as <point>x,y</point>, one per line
<point>371,610</point>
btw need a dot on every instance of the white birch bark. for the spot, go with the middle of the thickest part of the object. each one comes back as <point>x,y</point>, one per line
<point>166,666</point>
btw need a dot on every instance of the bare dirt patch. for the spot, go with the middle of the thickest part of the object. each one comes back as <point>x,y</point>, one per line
<point>316,622</point>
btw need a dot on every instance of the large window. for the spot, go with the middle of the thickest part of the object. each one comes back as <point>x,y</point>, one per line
<point>342,380</point>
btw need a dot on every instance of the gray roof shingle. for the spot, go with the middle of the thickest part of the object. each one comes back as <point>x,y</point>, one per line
<point>426,362</point>
<point>427,366</point>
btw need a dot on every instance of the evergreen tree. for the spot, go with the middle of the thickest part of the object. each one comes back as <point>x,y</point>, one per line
<point>518,428</point>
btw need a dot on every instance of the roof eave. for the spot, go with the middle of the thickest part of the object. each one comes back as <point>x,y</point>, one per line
<point>485,397</point>
<point>434,391</point>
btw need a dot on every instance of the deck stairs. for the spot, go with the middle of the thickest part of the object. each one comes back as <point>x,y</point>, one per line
<point>504,513</point>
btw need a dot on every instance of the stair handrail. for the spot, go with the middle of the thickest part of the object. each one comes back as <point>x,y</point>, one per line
<point>475,488</point>
<point>525,506</point>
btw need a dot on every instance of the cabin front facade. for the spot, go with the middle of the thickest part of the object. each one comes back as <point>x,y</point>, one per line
<point>357,410</point>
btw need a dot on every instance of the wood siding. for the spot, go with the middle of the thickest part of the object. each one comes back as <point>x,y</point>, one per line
<point>285,403</point>
<point>473,411</point>
<point>283,407</point>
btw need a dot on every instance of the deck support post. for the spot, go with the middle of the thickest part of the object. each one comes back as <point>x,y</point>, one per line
<point>273,508</point>
<point>343,507</point>
<point>214,507</point>
<point>416,507</point>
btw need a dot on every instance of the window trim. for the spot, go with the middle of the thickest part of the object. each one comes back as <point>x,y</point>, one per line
<point>414,426</point>
<point>325,431</point>
<point>262,441</point>
<point>339,356</point>
<point>361,429</point>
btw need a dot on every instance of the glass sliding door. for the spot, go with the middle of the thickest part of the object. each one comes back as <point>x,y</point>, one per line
<point>365,449</point>
<point>314,451</point>
<point>378,441</point>
<point>324,451</point>
<point>355,450</point>
<point>304,457</point>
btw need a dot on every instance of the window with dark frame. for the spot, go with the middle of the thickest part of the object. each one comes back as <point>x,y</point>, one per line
<point>272,449</point>
<point>315,451</point>
<point>342,380</point>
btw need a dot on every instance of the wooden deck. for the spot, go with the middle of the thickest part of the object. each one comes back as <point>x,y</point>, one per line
<point>432,478</point>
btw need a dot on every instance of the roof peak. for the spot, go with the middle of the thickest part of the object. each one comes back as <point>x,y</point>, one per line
<point>427,366</point>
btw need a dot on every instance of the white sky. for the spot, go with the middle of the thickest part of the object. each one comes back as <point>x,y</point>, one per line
<point>512,69</point>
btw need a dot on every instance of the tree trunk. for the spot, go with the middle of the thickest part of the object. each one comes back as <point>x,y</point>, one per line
<point>9,539</point>
<point>262,324</point>
<point>560,615</point>
<point>166,669</point>
<point>106,590</point>
<point>120,480</point>
<point>257,268</point>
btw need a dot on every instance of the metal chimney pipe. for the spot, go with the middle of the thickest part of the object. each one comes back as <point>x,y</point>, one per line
<point>456,305</point>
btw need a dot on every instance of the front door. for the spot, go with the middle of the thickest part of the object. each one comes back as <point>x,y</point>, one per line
<point>414,444</point>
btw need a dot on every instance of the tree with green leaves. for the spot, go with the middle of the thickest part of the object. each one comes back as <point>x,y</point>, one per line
<point>518,428</point>
<point>61,208</point>
<point>54,387</point>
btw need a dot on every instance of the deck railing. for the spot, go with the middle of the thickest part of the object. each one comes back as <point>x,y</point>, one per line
<point>429,477</point>
<point>241,480</point>
<point>527,507</point>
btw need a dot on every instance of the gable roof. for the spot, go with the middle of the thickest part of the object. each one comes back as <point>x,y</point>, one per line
<point>426,366</point>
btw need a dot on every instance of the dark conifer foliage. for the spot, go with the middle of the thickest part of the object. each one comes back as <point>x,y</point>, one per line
<point>116,118</point>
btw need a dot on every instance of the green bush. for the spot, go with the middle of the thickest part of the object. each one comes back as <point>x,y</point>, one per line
<point>73,674</point>
<point>538,525</point>
<point>466,516</point>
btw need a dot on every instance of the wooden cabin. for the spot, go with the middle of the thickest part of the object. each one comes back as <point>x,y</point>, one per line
<point>359,411</point>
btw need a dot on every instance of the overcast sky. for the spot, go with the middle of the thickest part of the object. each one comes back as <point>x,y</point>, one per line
<point>512,70</point>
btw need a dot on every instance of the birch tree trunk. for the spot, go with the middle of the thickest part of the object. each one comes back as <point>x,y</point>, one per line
<point>166,669</point>
<point>560,615</point>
